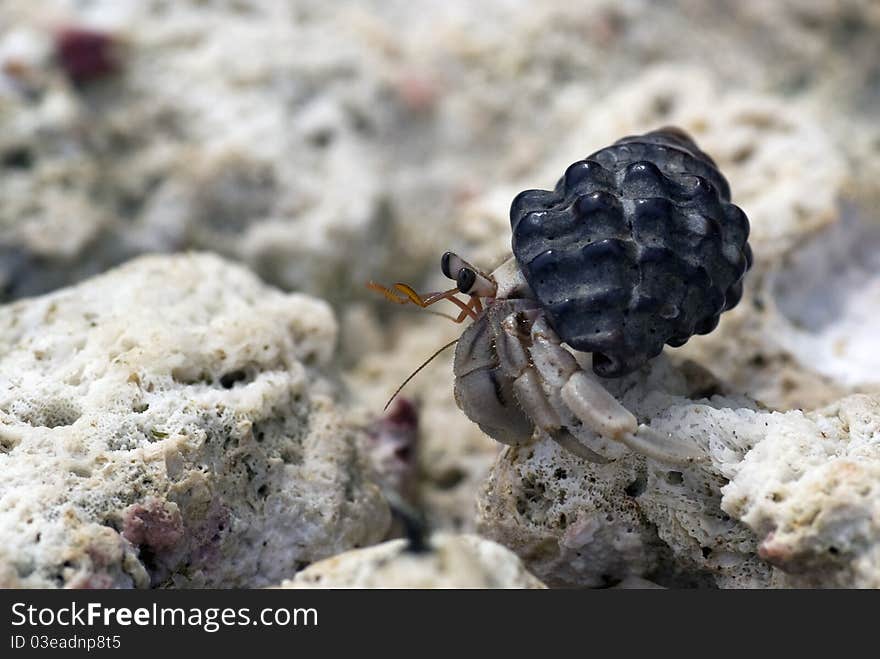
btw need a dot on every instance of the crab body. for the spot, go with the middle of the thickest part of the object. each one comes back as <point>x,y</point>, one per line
<point>638,246</point>
<point>486,367</point>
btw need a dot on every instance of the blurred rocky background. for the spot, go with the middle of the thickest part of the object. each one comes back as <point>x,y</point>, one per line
<point>177,421</point>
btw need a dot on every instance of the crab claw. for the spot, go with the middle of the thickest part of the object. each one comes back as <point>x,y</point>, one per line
<point>662,447</point>
<point>603,413</point>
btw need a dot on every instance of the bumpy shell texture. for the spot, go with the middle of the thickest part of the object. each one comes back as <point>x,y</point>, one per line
<point>636,247</point>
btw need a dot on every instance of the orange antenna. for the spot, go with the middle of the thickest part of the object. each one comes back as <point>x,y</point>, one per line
<point>405,294</point>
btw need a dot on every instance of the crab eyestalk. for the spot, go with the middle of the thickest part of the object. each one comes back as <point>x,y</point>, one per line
<point>469,279</point>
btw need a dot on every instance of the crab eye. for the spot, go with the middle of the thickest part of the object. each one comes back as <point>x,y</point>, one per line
<point>444,264</point>
<point>466,279</point>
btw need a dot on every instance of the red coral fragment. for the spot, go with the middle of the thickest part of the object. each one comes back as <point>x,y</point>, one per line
<point>393,446</point>
<point>773,551</point>
<point>154,524</point>
<point>403,416</point>
<point>86,54</point>
<point>418,92</point>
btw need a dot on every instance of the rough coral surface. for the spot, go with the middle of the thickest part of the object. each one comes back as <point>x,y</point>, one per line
<point>577,523</point>
<point>451,561</point>
<point>168,422</point>
<point>810,492</point>
<point>789,490</point>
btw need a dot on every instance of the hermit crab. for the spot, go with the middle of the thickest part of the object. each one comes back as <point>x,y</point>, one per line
<point>637,246</point>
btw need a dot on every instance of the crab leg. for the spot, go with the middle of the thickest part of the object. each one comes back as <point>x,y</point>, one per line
<point>405,294</point>
<point>527,389</point>
<point>591,403</point>
<point>596,408</point>
<point>474,307</point>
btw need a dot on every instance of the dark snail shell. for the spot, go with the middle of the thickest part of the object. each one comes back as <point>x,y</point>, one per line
<point>638,246</point>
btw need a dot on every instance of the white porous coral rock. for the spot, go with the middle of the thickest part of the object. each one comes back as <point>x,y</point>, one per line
<point>571,522</point>
<point>450,561</point>
<point>577,523</point>
<point>811,492</point>
<point>168,423</point>
<point>789,490</point>
<point>233,154</point>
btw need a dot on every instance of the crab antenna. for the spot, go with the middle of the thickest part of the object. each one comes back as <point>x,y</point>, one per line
<point>416,372</point>
<point>405,294</point>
